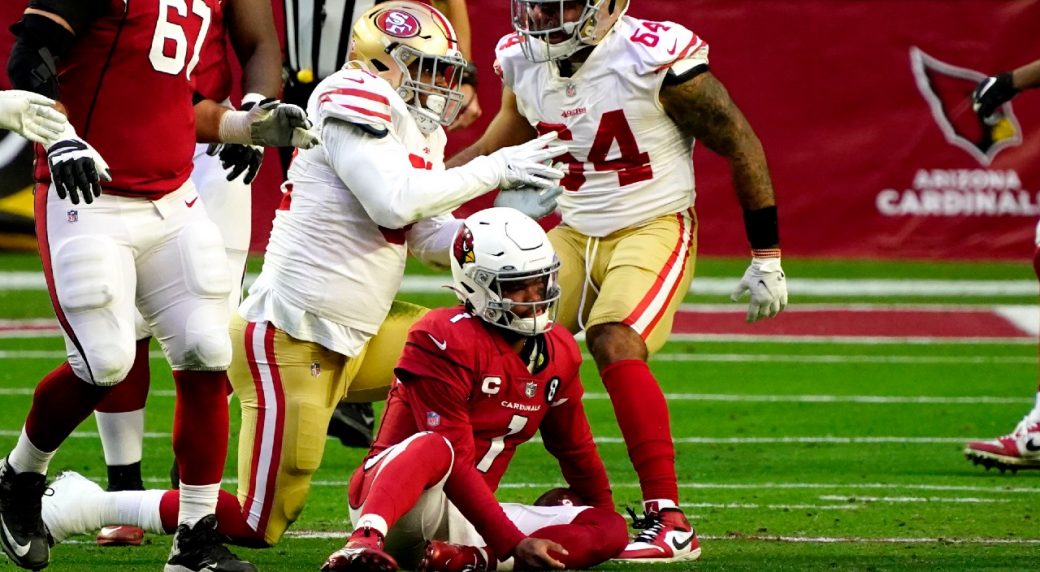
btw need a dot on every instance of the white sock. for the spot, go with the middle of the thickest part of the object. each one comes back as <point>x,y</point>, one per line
<point>137,508</point>
<point>373,521</point>
<point>121,436</point>
<point>1034,415</point>
<point>659,504</point>
<point>196,502</point>
<point>27,458</point>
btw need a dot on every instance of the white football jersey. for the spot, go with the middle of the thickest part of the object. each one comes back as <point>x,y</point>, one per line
<point>628,163</point>
<point>330,272</point>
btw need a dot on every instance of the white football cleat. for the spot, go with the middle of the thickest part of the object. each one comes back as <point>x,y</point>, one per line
<point>71,506</point>
<point>1017,450</point>
<point>666,537</point>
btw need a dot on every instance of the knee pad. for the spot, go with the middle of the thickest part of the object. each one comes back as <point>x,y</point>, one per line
<point>204,261</point>
<point>207,343</point>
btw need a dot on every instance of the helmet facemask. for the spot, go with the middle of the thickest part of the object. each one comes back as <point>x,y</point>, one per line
<point>497,307</point>
<point>430,85</point>
<point>547,32</point>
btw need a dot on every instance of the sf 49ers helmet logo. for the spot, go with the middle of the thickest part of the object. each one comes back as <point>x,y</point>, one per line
<point>463,247</point>
<point>398,24</point>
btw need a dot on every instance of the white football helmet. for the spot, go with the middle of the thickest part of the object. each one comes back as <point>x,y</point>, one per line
<point>500,250</point>
<point>414,47</point>
<point>555,29</point>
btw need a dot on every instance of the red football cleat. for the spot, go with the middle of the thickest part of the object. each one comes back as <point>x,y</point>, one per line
<point>667,537</point>
<point>362,553</point>
<point>447,557</point>
<point>123,535</point>
<point>1017,450</point>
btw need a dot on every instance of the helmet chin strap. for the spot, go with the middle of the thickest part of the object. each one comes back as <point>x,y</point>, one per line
<point>429,118</point>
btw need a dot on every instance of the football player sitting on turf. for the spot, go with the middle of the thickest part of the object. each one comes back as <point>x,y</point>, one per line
<point>320,322</point>
<point>475,382</point>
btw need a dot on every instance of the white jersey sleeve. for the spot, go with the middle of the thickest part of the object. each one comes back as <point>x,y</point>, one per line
<point>659,46</point>
<point>358,97</point>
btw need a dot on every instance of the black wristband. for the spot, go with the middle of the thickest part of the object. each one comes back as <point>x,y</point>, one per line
<point>762,228</point>
<point>469,75</point>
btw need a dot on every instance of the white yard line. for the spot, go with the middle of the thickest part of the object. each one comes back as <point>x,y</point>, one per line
<point>702,357</point>
<point>824,439</point>
<point>866,399</point>
<point>712,286</point>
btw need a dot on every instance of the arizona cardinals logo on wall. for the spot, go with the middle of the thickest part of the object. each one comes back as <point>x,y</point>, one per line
<point>463,247</point>
<point>947,88</point>
<point>397,24</point>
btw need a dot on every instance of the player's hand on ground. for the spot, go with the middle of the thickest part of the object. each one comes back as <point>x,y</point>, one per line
<point>764,280</point>
<point>239,159</point>
<point>269,123</point>
<point>31,115</point>
<point>532,201</point>
<point>529,163</point>
<point>533,553</point>
<point>77,169</point>
<point>991,93</point>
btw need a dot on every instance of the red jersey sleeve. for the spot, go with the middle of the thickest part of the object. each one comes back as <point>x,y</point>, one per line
<point>438,388</point>
<point>567,436</point>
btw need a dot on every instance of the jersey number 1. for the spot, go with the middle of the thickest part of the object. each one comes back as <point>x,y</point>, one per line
<point>167,31</point>
<point>498,444</point>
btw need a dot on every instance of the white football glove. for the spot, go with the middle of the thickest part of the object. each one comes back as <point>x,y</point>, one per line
<point>532,201</point>
<point>31,115</point>
<point>527,164</point>
<point>766,283</point>
<point>76,167</point>
<point>270,123</point>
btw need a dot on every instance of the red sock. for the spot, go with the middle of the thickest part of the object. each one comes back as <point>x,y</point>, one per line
<point>402,479</point>
<point>642,414</point>
<point>594,536</point>
<point>132,392</point>
<point>230,520</point>
<point>200,426</point>
<point>61,402</point>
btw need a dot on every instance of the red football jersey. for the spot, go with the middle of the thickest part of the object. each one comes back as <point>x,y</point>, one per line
<point>213,75</point>
<point>127,83</point>
<point>458,377</point>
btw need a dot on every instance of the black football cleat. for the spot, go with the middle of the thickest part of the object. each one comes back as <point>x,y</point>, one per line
<point>352,424</point>
<point>23,535</point>
<point>201,547</point>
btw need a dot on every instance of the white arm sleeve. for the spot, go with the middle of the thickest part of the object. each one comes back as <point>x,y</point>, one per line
<point>430,239</point>
<point>392,191</point>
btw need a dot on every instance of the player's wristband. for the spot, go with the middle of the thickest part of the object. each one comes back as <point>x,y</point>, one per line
<point>762,228</point>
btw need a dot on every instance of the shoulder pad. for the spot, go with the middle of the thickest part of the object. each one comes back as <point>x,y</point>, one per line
<point>658,46</point>
<point>508,55</point>
<point>359,97</point>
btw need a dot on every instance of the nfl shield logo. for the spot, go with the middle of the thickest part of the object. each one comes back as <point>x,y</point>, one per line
<point>530,389</point>
<point>73,215</point>
<point>315,369</point>
<point>432,419</point>
<point>571,90</point>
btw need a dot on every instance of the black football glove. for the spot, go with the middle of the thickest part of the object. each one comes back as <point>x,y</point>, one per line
<point>239,159</point>
<point>991,93</point>
<point>76,168</point>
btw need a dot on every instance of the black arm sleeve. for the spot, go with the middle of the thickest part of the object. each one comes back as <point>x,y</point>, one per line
<point>40,41</point>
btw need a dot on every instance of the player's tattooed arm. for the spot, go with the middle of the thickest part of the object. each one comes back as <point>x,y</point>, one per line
<point>702,108</point>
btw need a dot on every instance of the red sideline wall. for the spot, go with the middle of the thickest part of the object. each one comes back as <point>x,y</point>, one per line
<point>874,150</point>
